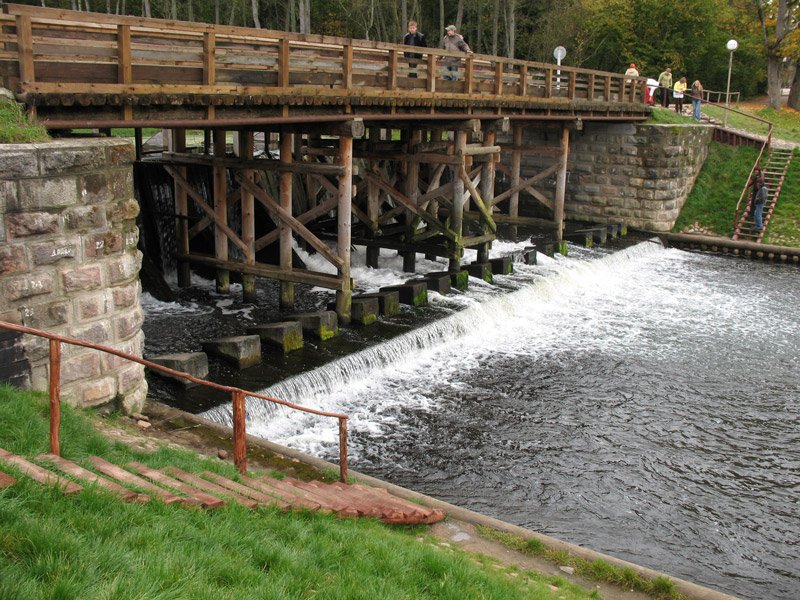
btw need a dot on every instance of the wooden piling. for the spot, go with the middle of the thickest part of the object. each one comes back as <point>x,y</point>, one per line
<point>457,213</point>
<point>287,287</point>
<point>344,216</point>
<point>248,217</point>
<point>561,184</point>
<point>221,210</point>
<point>182,213</point>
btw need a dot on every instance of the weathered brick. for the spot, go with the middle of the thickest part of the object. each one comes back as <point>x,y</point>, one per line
<point>111,362</point>
<point>103,244</point>
<point>81,218</point>
<point>96,333</point>
<point>18,161</point>
<point>91,307</point>
<point>27,286</point>
<point>125,297</point>
<point>52,252</point>
<point>127,325</point>
<point>123,210</point>
<point>26,224</point>
<point>44,194</point>
<point>131,238</point>
<point>81,367</point>
<point>130,377</point>
<point>83,279</point>
<point>12,260</point>
<point>94,189</point>
<point>121,155</point>
<point>125,268</point>
<point>46,316</point>
<point>58,159</point>
<point>98,392</point>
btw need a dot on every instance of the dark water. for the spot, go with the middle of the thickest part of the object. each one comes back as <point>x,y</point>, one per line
<point>644,404</point>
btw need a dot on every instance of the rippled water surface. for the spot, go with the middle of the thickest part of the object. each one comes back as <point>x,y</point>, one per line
<point>643,403</point>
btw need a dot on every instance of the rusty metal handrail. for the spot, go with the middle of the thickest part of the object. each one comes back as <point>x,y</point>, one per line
<point>237,396</point>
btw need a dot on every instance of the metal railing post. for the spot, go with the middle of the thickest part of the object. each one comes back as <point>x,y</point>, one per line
<point>55,397</point>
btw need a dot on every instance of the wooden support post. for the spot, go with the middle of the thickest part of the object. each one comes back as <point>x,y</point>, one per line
<point>412,192</point>
<point>344,295</point>
<point>343,449</point>
<point>124,64</point>
<point>457,213</point>
<point>516,166</point>
<point>55,397</point>
<point>287,287</point>
<point>523,80</point>
<point>283,63</point>
<point>221,210</point>
<point>347,66</point>
<point>487,191</point>
<point>210,67</point>
<point>373,202</point>
<point>561,184</point>
<point>248,217</point>
<point>137,142</point>
<point>207,142</point>
<point>25,50</point>
<point>182,214</point>
<point>239,431</point>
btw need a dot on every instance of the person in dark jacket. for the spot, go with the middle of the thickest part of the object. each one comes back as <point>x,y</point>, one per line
<point>453,42</point>
<point>759,197</point>
<point>413,38</point>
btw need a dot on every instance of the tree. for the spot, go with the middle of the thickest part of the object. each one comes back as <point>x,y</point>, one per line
<point>778,22</point>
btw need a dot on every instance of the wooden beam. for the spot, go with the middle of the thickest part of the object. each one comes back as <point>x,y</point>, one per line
<point>270,271</point>
<point>310,215</point>
<point>25,49</point>
<point>527,183</point>
<point>283,63</point>
<point>516,163</point>
<point>487,217</point>
<point>257,164</point>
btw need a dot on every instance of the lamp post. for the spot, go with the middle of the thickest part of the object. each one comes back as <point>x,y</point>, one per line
<point>732,45</point>
<point>559,52</point>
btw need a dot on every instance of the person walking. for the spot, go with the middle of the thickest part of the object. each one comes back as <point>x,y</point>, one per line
<point>677,93</point>
<point>413,38</point>
<point>759,197</point>
<point>665,85</point>
<point>453,42</point>
<point>697,98</point>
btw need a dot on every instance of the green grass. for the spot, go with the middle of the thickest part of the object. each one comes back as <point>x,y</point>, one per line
<point>786,122</point>
<point>595,570</point>
<point>16,128</point>
<point>663,116</point>
<point>711,204</point>
<point>784,226</point>
<point>91,545</point>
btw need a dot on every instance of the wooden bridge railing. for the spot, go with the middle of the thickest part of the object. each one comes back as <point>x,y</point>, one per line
<point>51,51</point>
<point>238,396</point>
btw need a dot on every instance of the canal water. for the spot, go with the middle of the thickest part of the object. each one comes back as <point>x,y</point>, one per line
<point>643,403</point>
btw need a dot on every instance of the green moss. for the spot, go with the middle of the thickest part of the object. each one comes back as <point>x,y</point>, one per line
<point>562,247</point>
<point>369,318</point>
<point>292,341</point>
<point>326,333</point>
<point>421,299</point>
<point>460,280</point>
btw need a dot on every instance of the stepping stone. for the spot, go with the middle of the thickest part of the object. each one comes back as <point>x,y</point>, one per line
<point>324,324</point>
<point>502,265</point>
<point>39,474</point>
<point>241,350</point>
<point>480,271</point>
<point>191,363</point>
<point>120,474</point>
<point>599,234</point>
<point>415,294</point>
<point>364,311</point>
<point>438,281</point>
<point>77,471</point>
<point>529,255</point>
<point>581,238</point>
<point>286,335</point>
<point>613,230</point>
<point>388,302</point>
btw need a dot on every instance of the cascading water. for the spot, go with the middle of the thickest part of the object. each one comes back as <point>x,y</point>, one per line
<point>644,404</point>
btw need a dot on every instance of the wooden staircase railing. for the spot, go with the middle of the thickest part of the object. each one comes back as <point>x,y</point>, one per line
<point>775,171</point>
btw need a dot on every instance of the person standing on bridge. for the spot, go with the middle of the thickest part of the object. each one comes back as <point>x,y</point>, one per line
<point>453,42</point>
<point>678,93</point>
<point>697,98</point>
<point>414,38</point>
<point>631,72</point>
<point>665,85</point>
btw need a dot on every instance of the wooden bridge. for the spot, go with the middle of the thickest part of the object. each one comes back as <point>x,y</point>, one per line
<point>402,156</point>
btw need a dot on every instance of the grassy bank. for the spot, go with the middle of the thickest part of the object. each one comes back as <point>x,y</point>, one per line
<point>91,545</point>
<point>784,226</point>
<point>786,122</point>
<point>16,128</point>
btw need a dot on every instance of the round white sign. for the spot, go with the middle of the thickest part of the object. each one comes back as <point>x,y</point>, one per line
<point>559,53</point>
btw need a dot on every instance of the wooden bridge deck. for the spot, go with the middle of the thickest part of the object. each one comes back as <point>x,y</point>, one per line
<point>79,69</point>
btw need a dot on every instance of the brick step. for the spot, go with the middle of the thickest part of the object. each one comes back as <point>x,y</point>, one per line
<point>128,478</point>
<point>208,487</point>
<point>262,498</point>
<point>77,471</point>
<point>366,505</point>
<point>38,473</point>
<point>193,495</point>
<point>295,497</point>
<point>329,498</point>
<point>409,512</point>
<point>6,480</point>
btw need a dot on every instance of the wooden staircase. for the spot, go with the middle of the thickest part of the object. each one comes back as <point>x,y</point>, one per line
<point>140,483</point>
<point>774,174</point>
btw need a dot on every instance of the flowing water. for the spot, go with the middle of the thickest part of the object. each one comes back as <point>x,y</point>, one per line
<point>642,403</point>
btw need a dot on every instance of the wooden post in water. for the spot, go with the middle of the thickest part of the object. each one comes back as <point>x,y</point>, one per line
<point>239,431</point>
<point>516,167</point>
<point>412,192</point>
<point>344,294</point>
<point>221,210</point>
<point>457,214</point>
<point>561,184</point>
<point>487,190</point>
<point>248,217</point>
<point>55,397</point>
<point>182,213</point>
<point>287,287</point>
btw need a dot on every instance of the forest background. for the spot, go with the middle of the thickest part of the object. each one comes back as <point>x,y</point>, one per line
<point>688,36</point>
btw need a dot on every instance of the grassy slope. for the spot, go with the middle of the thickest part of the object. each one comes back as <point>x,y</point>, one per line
<point>784,226</point>
<point>91,545</point>
<point>15,127</point>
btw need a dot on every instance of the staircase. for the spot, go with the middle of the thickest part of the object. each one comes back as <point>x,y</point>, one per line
<point>140,483</point>
<point>774,174</point>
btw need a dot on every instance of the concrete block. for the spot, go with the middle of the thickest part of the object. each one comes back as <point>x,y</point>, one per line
<point>460,280</point>
<point>364,311</point>
<point>438,281</point>
<point>599,234</point>
<point>18,164</point>
<point>580,238</point>
<point>286,335</point>
<point>480,271</point>
<point>502,265</point>
<point>388,301</point>
<point>612,230</point>
<point>529,255</point>
<point>241,350</point>
<point>324,324</point>
<point>191,363</point>
<point>415,294</point>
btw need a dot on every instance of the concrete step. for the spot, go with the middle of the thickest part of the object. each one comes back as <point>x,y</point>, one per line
<point>324,323</point>
<point>388,301</point>
<point>414,294</point>
<point>38,473</point>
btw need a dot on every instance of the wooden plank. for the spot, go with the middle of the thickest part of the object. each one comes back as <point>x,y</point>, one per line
<point>391,84</point>
<point>243,490</point>
<point>206,486</point>
<point>209,58</point>
<point>120,474</point>
<point>177,158</point>
<point>125,67</point>
<point>38,473</point>
<point>71,468</point>
<point>498,78</point>
<point>205,500</point>
<point>527,183</point>
<point>283,63</point>
<point>295,496</point>
<point>25,49</point>
<point>347,66</point>
<point>307,216</point>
